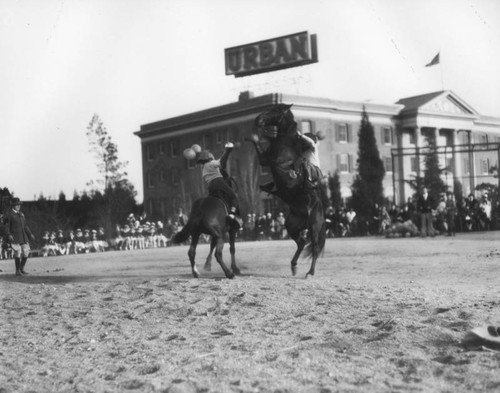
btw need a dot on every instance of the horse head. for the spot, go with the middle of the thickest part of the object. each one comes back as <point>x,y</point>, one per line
<point>276,121</point>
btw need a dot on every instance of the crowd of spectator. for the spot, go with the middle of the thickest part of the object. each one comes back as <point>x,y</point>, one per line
<point>137,233</point>
<point>448,217</point>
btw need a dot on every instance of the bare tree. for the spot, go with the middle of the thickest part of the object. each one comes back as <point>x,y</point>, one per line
<point>106,154</point>
<point>116,190</point>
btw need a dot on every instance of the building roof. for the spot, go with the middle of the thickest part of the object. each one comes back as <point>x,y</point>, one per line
<point>248,104</point>
<point>413,103</point>
<point>444,103</point>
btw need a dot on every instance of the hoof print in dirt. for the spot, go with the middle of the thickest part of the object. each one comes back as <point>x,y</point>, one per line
<point>440,310</point>
<point>221,333</point>
<point>132,384</point>
<point>182,387</point>
<point>149,369</point>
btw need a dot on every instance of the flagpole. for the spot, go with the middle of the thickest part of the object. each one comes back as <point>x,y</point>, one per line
<point>441,68</point>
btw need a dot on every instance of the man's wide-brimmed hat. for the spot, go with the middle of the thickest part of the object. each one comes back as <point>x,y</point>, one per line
<point>205,156</point>
<point>15,201</point>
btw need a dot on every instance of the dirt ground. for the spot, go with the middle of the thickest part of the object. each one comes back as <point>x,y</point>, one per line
<point>380,315</point>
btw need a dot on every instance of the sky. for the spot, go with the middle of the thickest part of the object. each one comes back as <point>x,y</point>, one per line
<point>133,62</point>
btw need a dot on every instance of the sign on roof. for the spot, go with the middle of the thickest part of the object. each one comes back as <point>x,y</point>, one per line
<point>270,55</point>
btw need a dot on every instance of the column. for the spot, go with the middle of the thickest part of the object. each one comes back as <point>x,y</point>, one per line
<point>398,165</point>
<point>456,162</point>
<point>418,145</point>
<point>472,164</point>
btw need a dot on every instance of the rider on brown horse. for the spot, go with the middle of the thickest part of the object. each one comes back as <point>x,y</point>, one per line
<point>212,173</point>
<point>309,166</point>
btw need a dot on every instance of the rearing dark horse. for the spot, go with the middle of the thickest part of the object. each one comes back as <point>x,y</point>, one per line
<point>279,147</point>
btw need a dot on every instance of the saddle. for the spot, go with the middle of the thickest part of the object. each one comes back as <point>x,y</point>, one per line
<point>221,197</point>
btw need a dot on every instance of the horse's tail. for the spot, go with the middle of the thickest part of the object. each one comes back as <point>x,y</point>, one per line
<point>191,224</point>
<point>315,248</point>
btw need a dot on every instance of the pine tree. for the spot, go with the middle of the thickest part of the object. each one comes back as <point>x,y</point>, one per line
<point>367,188</point>
<point>334,187</point>
<point>432,174</point>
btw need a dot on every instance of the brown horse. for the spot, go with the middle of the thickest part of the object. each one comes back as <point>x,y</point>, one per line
<point>279,147</point>
<point>208,216</point>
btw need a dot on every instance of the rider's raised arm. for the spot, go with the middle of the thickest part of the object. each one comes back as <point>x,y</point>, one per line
<point>228,148</point>
<point>307,141</point>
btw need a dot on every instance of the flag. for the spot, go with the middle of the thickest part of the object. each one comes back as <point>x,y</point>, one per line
<point>434,61</point>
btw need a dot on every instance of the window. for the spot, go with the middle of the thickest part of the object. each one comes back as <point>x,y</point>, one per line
<point>344,163</point>
<point>413,164</point>
<point>222,136</point>
<point>150,180</point>
<point>388,164</point>
<point>174,148</point>
<point>305,126</point>
<point>162,147</point>
<point>207,142</point>
<point>235,135</point>
<point>176,176</point>
<point>449,164</point>
<point>484,166</point>
<point>162,176</point>
<point>150,154</point>
<point>466,166</point>
<point>483,138</point>
<point>342,133</point>
<point>191,164</point>
<point>413,138</point>
<point>387,135</point>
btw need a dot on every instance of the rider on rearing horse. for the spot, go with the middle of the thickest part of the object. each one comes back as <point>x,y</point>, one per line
<point>310,166</point>
<point>311,159</point>
<point>217,186</point>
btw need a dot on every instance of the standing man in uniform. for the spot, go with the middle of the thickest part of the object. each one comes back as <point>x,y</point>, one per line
<point>425,207</point>
<point>18,234</point>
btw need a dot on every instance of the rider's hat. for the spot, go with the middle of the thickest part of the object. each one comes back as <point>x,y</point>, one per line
<point>205,156</point>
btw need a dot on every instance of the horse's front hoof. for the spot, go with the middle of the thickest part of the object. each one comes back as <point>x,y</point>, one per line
<point>207,267</point>
<point>230,276</point>
<point>294,270</point>
<point>196,274</point>
<point>236,271</point>
<point>309,275</point>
